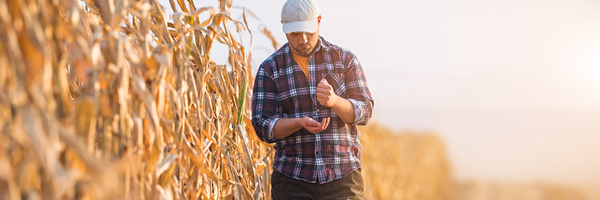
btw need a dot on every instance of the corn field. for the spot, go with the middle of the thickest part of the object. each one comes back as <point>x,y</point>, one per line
<point>405,165</point>
<point>114,99</point>
<point>414,165</point>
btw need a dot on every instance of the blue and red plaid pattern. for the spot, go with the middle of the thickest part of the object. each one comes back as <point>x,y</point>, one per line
<point>282,90</point>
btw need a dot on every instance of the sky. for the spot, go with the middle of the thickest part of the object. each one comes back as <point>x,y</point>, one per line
<point>511,86</point>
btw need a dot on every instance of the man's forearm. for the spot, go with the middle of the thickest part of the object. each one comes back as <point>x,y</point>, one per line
<point>344,109</point>
<point>286,126</point>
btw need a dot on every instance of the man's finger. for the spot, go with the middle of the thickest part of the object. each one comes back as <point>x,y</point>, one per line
<point>325,123</point>
<point>324,85</point>
<point>322,91</point>
<point>320,98</point>
<point>315,124</point>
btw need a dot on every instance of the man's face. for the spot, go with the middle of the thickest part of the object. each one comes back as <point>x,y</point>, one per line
<point>302,43</point>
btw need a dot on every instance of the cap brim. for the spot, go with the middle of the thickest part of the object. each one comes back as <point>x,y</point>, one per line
<point>301,26</point>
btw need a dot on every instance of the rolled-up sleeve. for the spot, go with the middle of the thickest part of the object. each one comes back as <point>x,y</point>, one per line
<point>265,105</point>
<point>358,92</point>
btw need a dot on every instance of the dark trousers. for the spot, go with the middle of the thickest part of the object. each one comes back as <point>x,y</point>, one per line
<point>348,187</point>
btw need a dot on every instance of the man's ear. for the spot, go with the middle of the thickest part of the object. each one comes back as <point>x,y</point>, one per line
<point>282,21</point>
<point>318,18</point>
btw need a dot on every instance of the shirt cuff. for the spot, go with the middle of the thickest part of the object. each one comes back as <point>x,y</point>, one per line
<point>357,110</point>
<point>271,135</point>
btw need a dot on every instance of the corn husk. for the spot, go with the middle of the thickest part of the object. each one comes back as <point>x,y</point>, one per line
<point>118,100</point>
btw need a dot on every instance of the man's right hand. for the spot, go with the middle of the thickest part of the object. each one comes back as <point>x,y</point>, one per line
<point>314,126</point>
<point>287,126</point>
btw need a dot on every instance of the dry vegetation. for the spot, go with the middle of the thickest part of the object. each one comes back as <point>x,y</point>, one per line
<point>108,100</point>
<point>404,165</point>
<point>414,166</point>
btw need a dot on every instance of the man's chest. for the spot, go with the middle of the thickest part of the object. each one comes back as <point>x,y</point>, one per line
<point>297,93</point>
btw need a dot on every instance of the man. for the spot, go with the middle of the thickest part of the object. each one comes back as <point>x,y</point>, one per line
<point>308,98</point>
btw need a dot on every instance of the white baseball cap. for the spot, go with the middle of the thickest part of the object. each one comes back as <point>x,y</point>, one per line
<point>300,16</point>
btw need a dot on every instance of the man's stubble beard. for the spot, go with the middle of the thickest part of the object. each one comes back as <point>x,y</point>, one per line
<point>304,52</point>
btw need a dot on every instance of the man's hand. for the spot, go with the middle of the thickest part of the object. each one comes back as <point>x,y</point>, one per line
<point>327,97</point>
<point>286,126</point>
<point>314,126</point>
<point>325,94</point>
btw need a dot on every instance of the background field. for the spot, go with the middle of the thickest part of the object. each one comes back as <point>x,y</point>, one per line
<point>409,165</point>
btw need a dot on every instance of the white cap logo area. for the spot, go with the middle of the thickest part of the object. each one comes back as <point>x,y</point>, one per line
<point>300,16</point>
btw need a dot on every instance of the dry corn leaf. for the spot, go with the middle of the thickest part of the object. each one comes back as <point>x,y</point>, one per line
<point>107,99</point>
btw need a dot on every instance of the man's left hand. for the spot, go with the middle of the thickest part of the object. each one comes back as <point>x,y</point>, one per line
<point>325,94</point>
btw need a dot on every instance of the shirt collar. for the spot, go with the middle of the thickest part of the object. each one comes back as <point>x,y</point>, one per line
<point>321,44</point>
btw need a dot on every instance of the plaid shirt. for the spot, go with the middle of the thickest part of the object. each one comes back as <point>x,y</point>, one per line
<point>281,90</point>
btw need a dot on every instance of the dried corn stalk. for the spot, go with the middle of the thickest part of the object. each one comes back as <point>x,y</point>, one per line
<point>108,100</point>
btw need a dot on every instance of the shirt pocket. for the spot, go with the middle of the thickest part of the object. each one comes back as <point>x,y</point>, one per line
<point>294,95</point>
